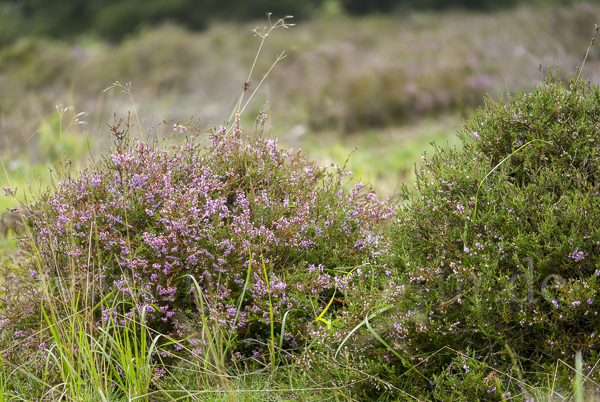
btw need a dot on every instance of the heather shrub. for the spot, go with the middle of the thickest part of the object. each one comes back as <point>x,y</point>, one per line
<point>499,251</point>
<point>220,231</point>
<point>392,97</point>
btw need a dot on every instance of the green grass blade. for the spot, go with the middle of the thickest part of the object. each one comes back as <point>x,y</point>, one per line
<point>320,317</point>
<point>272,342</point>
<point>242,295</point>
<point>383,308</point>
<point>578,377</point>
<point>283,329</point>
<point>380,339</point>
<point>496,167</point>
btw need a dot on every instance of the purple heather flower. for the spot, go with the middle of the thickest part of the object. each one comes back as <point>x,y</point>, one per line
<point>180,128</point>
<point>576,255</point>
<point>191,219</point>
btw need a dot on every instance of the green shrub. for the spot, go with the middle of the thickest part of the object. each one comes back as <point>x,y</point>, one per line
<point>504,265</point>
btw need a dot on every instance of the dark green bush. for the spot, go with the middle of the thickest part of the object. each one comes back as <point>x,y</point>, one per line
<point>115,19</point>
<point>504,269</point>
<point>359,7</point>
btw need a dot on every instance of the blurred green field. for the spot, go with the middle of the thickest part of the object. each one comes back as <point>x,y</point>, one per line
<point>387,85</point>
<point>385,157</point>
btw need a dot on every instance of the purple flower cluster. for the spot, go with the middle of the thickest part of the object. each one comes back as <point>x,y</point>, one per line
<point>146,220</point>
<point>576,255</point>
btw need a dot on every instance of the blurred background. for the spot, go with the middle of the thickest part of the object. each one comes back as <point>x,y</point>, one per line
<point>384,76</point>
